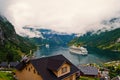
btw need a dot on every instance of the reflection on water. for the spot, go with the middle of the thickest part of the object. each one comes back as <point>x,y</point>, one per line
<point>94,55</point>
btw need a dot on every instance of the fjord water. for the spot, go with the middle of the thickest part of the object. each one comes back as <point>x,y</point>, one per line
<point>94,55</point>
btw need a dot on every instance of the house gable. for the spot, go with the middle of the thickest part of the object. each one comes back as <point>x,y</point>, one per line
<point>64,69</point>
<point>28,73</point>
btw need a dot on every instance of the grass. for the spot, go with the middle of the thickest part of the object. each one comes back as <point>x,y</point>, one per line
<point>88,78</point>
<point>6,76</point>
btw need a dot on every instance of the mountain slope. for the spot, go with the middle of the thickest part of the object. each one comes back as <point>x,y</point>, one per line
<point>105,38</point>
<point>12,46</point>
<point>47,36</point>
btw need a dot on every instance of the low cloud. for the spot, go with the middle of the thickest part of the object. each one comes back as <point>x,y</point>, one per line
<point>59,15</point>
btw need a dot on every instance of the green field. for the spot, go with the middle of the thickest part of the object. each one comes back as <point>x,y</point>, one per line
<point>6,76</point>
<point>88,78</point>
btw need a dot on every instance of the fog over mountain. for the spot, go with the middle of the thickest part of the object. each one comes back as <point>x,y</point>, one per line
<point>69,16</point>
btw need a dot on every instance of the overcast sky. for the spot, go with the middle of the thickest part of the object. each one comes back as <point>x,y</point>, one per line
<point>60,15</point>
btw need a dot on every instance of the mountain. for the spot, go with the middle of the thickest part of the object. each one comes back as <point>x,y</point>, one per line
<point>107,39</point>
<point>12,46</point>
<point>51,37</point>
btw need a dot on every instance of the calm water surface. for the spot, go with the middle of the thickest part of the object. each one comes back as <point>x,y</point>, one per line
<point>94,55</point>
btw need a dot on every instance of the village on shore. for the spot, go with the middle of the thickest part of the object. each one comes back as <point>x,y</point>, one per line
<point>58,67</point>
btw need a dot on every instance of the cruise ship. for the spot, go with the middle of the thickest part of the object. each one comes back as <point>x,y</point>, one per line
<point>78,50</point>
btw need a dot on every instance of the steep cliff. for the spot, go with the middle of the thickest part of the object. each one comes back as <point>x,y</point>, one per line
<point>12,46</point>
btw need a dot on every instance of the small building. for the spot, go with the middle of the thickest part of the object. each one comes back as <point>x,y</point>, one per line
<point>104,73</point>
<point>89,71</point>
<point>4,65</point>
<point>47,68</point>
<point>13,64</point>
<point>118,40</point>
<point>116,78</point>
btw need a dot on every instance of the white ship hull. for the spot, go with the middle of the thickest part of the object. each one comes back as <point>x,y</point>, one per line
<point>78,50</point>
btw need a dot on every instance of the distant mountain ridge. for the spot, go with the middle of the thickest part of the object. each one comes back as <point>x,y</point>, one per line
<point>51,37</point>
<point>105,38</point>
<point>12,46</point>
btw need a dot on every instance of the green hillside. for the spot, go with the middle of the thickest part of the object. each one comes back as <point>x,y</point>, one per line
<point>12,46</point>
<point>105,40</point>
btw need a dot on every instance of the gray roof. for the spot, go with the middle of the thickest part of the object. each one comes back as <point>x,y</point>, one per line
<point>4,64</point>
<point>88,70</point>
<point>55,64</point>
<point>13,64</point>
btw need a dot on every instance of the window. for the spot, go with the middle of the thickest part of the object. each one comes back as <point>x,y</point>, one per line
<point>26,68</point>
<point>37,73</point>
<point>34,71</point>
<point>29,69</point>
<point>64,69</point>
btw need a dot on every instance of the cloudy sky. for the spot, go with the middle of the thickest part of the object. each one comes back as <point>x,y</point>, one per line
<point>59,15</point>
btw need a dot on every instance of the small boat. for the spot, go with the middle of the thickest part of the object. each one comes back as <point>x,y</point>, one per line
<point>78,50</point>
<point>47,45</point>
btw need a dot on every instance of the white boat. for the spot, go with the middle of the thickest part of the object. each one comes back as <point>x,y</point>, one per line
<point>47,45</point>
<point>78,50</point>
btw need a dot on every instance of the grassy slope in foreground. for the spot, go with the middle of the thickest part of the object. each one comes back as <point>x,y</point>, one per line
<point>6,76</point>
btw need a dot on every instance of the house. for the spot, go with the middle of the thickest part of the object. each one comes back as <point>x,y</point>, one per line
<point>13,64</point>
<point>89,71</point>
<point>104,73</point>
<point>4,65</point>
<point>47,68</point>
<point>116,78</point>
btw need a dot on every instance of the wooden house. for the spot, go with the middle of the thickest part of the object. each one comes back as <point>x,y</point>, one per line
<point>47,68</point>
